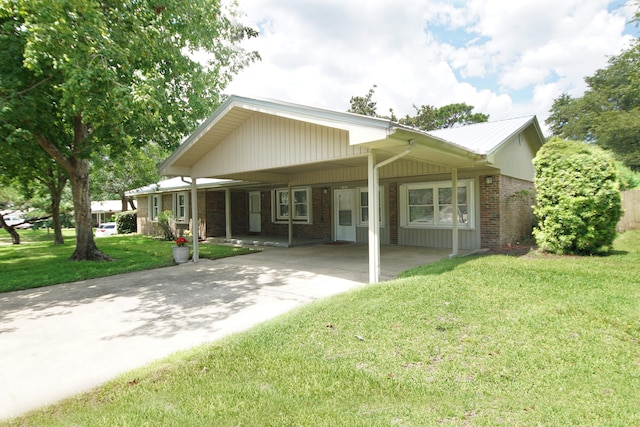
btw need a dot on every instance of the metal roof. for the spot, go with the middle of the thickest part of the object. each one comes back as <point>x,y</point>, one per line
<point>485,138</point>
<point>177,184</point>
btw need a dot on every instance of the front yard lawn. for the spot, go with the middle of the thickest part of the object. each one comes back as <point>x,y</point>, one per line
<point>38,262</point>
<point>478,341</point>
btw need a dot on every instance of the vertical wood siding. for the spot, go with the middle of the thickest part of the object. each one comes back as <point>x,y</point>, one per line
<point>362,235</point>
<point>265,142</point>
<point>469,239</point>
<point>404,168</point>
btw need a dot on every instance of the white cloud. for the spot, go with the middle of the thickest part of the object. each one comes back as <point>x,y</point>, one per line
<point>482,52</point>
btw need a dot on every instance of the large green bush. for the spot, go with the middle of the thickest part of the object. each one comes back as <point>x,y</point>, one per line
<point>127,222</point>
<point>577,196</point>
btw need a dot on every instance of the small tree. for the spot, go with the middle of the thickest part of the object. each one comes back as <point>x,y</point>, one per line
<point>578,198</point>
<point>167,225</point>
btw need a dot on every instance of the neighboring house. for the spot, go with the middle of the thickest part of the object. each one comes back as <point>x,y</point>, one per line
<point>102,211</point>
<point>255,161</point>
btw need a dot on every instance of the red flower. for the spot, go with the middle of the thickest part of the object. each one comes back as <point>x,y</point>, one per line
<point>181,241</point>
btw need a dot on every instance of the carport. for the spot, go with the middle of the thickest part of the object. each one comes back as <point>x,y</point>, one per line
<point>285,144</point>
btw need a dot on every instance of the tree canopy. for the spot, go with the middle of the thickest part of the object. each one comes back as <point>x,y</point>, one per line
<point>608,113</point>
<point>85,76</point>
<point>427,117</point>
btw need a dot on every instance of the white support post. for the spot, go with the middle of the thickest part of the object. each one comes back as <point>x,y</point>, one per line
<point>227,212</point>
<point>290,207</point>
<point>373,177</point>
<point>374,229</point>
<point>195,223</point>
<point>454,212</point>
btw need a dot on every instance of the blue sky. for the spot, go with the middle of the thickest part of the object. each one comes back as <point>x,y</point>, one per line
<point>508,59</point>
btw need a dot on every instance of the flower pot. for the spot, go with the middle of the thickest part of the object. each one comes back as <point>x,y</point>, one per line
<point>181,254</point>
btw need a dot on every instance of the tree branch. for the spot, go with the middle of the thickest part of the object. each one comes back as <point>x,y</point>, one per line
<point>22,92</point>
<point>53,151</point>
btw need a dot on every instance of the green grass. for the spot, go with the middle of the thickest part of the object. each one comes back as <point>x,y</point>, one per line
<point>481,341</point>
<point>37,262</point>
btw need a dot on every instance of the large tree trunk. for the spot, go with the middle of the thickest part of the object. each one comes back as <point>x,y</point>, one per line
<point>15,237</point>
<point>124,202</point>
<point>55,220</point>
<point>56,182</point>
<point>77,169</point>
<point>86,248</point>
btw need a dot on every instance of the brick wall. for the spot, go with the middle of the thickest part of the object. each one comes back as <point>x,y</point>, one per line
<point>202,223</point>
<point>490,211</point>
<point>216,216</point>
<point>516,213</point>
<point>143,223</point>
<point>321,217</point>
<point>506,216</point>
<point>214,213</point>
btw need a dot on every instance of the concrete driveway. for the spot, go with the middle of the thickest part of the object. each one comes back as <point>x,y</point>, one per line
<point>61,340</point>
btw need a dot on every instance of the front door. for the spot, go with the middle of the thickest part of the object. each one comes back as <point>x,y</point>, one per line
<point>345,215</point>
<point>254,212</point>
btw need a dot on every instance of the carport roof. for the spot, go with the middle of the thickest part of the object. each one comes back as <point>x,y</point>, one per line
<point>177,184</point>
<point>464,146</point>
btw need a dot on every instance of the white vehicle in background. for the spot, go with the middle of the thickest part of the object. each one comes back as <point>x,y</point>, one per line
<point>15,221</point>
<point>107,229</point>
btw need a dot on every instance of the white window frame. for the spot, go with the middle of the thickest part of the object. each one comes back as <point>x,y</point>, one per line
<point>155,209</point>
<point>277,195</point>
<point>361,221</point>
<point>437,222</point>
<point>181,211</point>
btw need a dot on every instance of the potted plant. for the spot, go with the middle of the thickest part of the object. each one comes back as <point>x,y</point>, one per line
<point>181,250</point>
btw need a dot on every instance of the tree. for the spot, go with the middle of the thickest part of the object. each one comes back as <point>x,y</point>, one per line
<point>112,176</point>
<point>112,74</point>
<point>364,105</point>
<point>577,197</point>
<point>608,113</point>
<point>34,171</point>
<point>427,117</point>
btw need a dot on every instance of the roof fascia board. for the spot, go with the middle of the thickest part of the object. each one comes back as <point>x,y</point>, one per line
<point>169,171</point>
<point>185,186</point>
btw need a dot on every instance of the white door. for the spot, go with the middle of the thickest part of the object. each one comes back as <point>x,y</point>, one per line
<point>254,212</point>
<point>345,215</point>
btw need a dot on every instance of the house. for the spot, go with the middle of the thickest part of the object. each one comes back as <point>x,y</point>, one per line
<point>270,168</point>
<point>103,210</point>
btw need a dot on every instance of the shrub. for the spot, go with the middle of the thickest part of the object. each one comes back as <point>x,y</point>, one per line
<point>127,222</point>
<point>577,196</point>
<point>167,225</point>
<point>628,178</point>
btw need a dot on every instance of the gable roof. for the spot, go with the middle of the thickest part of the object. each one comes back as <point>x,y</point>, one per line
<point>206,153</point>
<point>487,137</point>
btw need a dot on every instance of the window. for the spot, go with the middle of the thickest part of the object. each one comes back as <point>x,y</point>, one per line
<point>180,207</point>
<point>300,206</point>
<point>363,203</point>
<point>155,206</point>
<point>430,205</point>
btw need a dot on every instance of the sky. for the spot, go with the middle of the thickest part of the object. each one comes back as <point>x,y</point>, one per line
<point>507,58</point>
